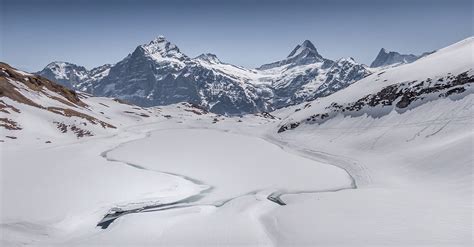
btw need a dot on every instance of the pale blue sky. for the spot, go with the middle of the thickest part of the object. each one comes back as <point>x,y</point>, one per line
<point>243,32</point>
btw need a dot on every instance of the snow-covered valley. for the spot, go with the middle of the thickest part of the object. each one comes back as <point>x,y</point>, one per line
<point>218,192</point>
<point>151,165</point>
<point>386,161</point>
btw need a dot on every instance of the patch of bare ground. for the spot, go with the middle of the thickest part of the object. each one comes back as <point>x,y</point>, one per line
<point>38,83</point>
<point>137,113</point>
<point>9,124</point>
<point>266,115</point>
<point>4,107</point>
<point>194,108</point>
<point>79,132</point>
<point>121,101</point>
<point>70,113</point>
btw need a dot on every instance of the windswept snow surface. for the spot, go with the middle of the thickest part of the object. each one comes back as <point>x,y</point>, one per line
<point>414,180</point>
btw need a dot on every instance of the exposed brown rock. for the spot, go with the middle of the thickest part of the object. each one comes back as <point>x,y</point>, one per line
<point>4,107</point>
<point>9,124</point>
<point>76,130</point>
<point>69,113</point>
<point>38,83</point>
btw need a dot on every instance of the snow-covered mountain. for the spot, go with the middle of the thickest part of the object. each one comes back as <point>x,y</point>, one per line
<point>392,58</point>
<point>74,76</point>
<point>306,75</point>
<point>304,53</point>
<point>158,73</point>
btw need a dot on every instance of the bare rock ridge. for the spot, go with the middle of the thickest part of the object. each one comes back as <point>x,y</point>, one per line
<point>385,58</point>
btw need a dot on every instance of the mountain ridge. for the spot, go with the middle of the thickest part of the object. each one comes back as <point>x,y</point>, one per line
<point>158,73</point>
<point>387,58</point>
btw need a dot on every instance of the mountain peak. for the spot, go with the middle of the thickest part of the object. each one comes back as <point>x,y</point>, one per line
<point>308,44</point>
<point>60,64</point>
<point>64,72</point>
<point>160,48</point>
<point>158,39</point>
<point>208,57</point>
<point>385,58</point>
<point>305,48</point>
<point>304,53</point>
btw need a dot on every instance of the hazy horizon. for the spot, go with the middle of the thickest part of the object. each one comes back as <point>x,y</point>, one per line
<point>243,32</point>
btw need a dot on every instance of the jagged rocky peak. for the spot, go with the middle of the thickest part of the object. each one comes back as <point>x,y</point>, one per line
<point>67,74</point>
<point>62,69</point>
<point>304,53</point>
<point>306,48</point>
<point>385,58</point>
<point>208,57</point>
<point>160,47</point>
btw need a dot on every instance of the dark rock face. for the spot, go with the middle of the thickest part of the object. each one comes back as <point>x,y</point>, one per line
<point>302,54</point>
<point>289,126</point>
<point>158,73</point>
<point>140,80</point>
<point>385,58</point>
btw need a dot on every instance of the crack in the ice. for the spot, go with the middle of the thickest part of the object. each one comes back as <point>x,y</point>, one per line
<point>116,212</point>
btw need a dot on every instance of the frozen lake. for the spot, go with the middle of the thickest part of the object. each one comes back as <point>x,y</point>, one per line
<point>232,165</point>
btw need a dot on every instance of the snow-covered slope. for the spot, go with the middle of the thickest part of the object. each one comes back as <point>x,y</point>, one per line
<point>406,136</point>
<point>158,73</point>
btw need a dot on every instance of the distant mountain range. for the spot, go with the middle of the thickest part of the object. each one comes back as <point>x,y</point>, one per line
<point>158,73</point>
